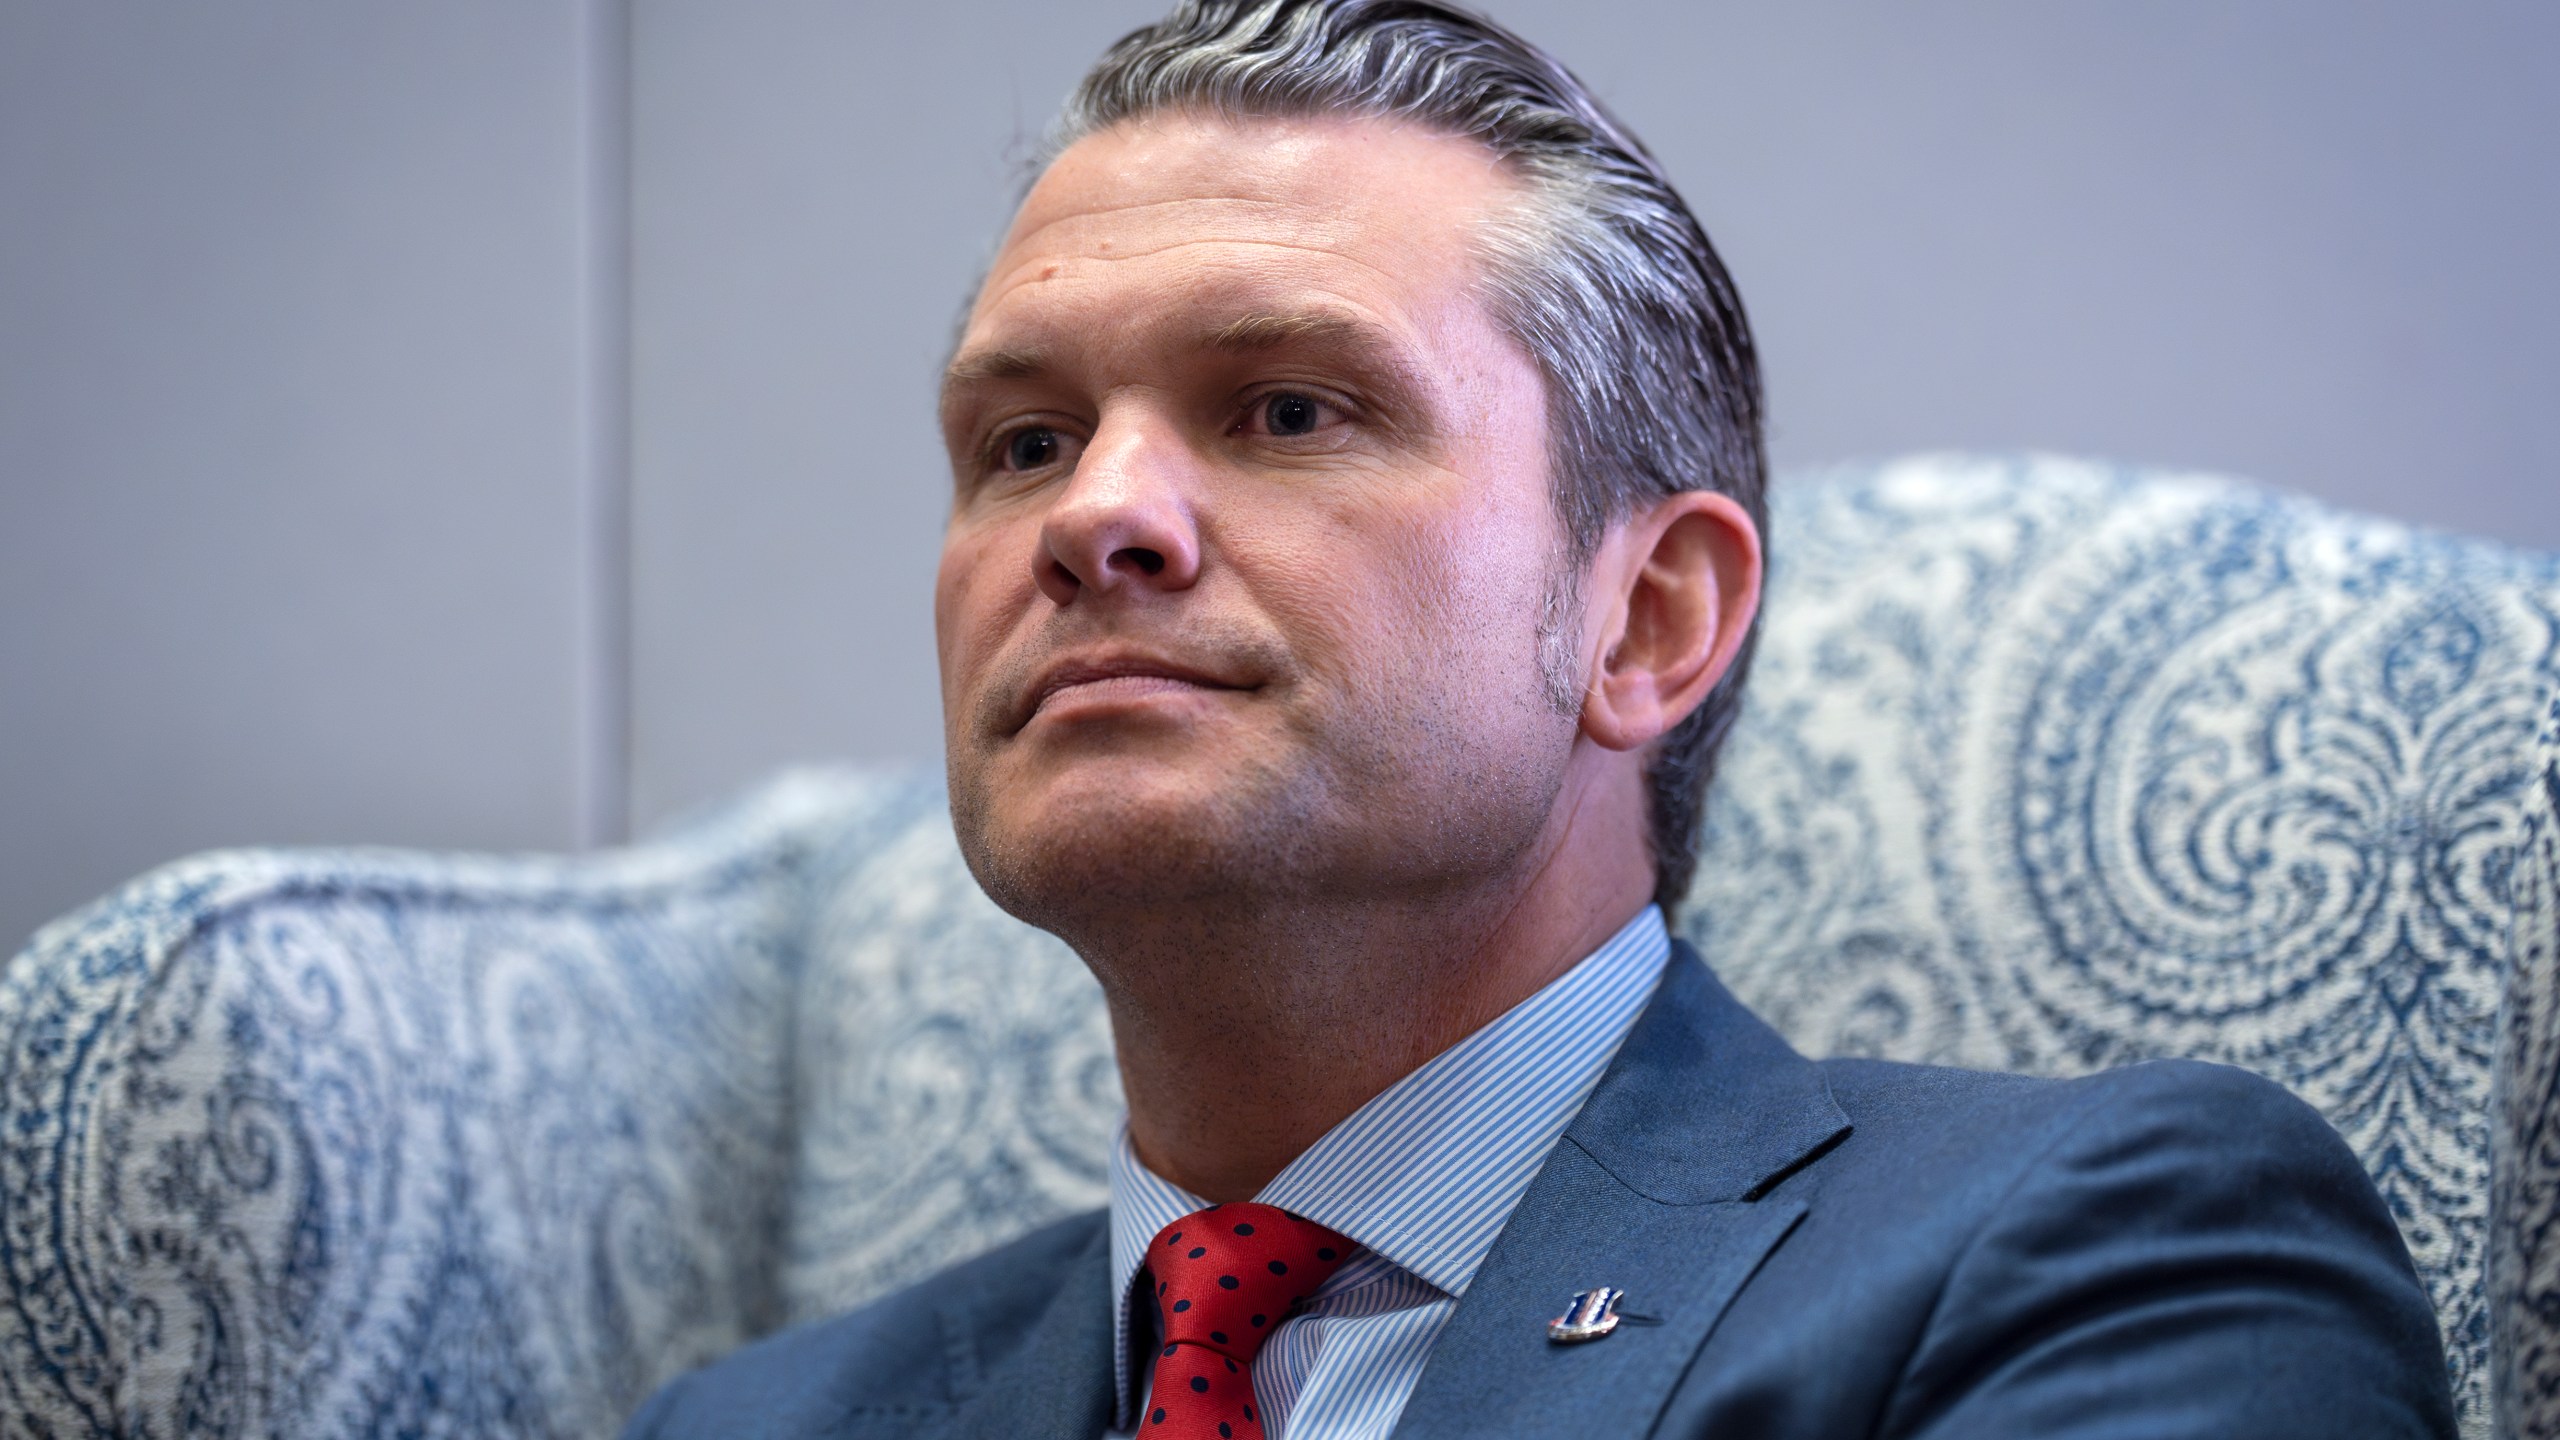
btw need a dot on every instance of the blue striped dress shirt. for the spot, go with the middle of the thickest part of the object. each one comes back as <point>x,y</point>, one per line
<point>1422,1178</point>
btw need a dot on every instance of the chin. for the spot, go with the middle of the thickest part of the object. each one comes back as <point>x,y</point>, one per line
<point>1074,846</point>
<point>1086,844</point>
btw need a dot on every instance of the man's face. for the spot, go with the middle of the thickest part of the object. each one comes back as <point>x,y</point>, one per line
<point>1243,586</point>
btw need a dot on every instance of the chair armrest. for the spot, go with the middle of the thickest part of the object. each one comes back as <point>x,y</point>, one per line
<point>311,1142</point>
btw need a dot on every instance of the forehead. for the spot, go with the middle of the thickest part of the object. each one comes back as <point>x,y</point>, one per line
<point>1216,213</point>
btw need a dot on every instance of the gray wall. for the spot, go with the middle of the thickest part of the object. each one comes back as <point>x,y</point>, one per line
<point>313,346</point>
<point>815,188</point>
<point>295,402</point>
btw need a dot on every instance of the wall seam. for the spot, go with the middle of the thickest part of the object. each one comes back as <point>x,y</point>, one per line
<point>603,743</point>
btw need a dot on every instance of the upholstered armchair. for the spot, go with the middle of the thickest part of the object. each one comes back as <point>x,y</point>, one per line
<point>2046,767</point>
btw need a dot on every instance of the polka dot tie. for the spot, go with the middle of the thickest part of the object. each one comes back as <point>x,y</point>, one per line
<point>1225,1278</point>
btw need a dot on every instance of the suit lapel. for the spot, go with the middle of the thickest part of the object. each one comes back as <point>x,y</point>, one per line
<point>1057,1384</point>
<point>1655,1189</point>
<point>1494,1372</point>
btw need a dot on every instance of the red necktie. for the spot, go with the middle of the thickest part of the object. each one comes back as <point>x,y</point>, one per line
<point>1225,1278</point>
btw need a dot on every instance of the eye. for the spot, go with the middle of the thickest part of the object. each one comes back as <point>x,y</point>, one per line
<point>1032,449</point>
<point>1291,414</point>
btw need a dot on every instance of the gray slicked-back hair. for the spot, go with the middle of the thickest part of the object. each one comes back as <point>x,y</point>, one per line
<point>1602,275</point>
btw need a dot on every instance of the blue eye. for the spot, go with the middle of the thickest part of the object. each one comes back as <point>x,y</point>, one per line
<point>1290,414</point>
<point>1031,449</point>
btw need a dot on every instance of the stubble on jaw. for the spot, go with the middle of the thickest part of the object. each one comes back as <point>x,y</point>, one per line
<point>1273,834</point>
<point>1560,615</point>
<point>1257,886</point>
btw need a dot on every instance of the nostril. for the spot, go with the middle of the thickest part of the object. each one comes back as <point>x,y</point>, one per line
<point>1059,582</point>
<point>1147,561</point>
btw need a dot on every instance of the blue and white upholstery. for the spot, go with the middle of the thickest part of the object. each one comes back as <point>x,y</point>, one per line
<point>2047,767</point>
<point>2524,1137</point>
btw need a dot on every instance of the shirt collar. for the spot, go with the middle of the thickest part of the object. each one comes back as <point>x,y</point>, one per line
<point>1426,1174</point>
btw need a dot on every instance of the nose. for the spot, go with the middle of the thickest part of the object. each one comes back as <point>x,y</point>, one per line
<point>1123,524</point>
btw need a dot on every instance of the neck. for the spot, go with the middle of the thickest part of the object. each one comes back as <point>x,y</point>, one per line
<point>1319,1008</point>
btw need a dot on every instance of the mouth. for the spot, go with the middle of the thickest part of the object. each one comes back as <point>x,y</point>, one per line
<point>1102,680</point>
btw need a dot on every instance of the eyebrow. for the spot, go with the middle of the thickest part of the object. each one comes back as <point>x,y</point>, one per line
<point>1248,334</point>
<point>1384,368</point>
<point>1358,342</point>
<point>1253,333</point>
<point>1007,364</point>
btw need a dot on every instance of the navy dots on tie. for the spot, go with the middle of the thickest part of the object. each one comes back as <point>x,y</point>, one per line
<point>1223,1306</point>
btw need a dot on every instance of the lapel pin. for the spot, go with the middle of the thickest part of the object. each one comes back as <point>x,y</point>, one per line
<point>1592,1314</point>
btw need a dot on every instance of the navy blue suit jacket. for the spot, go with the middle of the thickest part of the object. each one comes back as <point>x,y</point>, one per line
<point>1809,1249</point>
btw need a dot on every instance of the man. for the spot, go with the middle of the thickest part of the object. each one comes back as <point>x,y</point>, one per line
<point>1352,568</point>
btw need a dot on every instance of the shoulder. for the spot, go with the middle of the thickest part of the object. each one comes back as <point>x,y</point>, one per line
<point>909,1355</point>
<point>2151,1117</point>
<point>2146,1148</point>
<point>2165,1229</point>
<point>1886,1089</point>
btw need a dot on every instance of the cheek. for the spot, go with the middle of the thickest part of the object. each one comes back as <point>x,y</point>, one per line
<point>950,600</point>
<point>1400,604</point>
<point>969,618</point>
<point>1478,590</point>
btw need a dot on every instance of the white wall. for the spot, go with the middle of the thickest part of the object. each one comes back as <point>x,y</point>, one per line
<point>312,361</point>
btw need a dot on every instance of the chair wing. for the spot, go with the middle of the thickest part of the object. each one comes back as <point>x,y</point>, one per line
<point>2524,1256</point>
<point>2049,766</point>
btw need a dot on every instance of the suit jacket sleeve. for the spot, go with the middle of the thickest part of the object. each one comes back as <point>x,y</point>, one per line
<point>2196,1254</point>
<point>650,1421</point>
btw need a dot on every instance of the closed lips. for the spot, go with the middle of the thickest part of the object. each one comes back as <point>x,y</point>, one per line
<point>1133,677</point>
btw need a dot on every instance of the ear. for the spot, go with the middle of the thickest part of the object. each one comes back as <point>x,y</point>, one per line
<point>1673,591</point>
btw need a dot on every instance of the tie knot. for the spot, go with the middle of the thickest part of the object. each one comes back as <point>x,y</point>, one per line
<point>1226,1275</point>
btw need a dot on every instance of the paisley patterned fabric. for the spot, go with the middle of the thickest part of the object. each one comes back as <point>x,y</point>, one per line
<point>2047,767</point>
<point>372,1144</point>
<point>2524,1256</point>
<point>2119,766</point>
